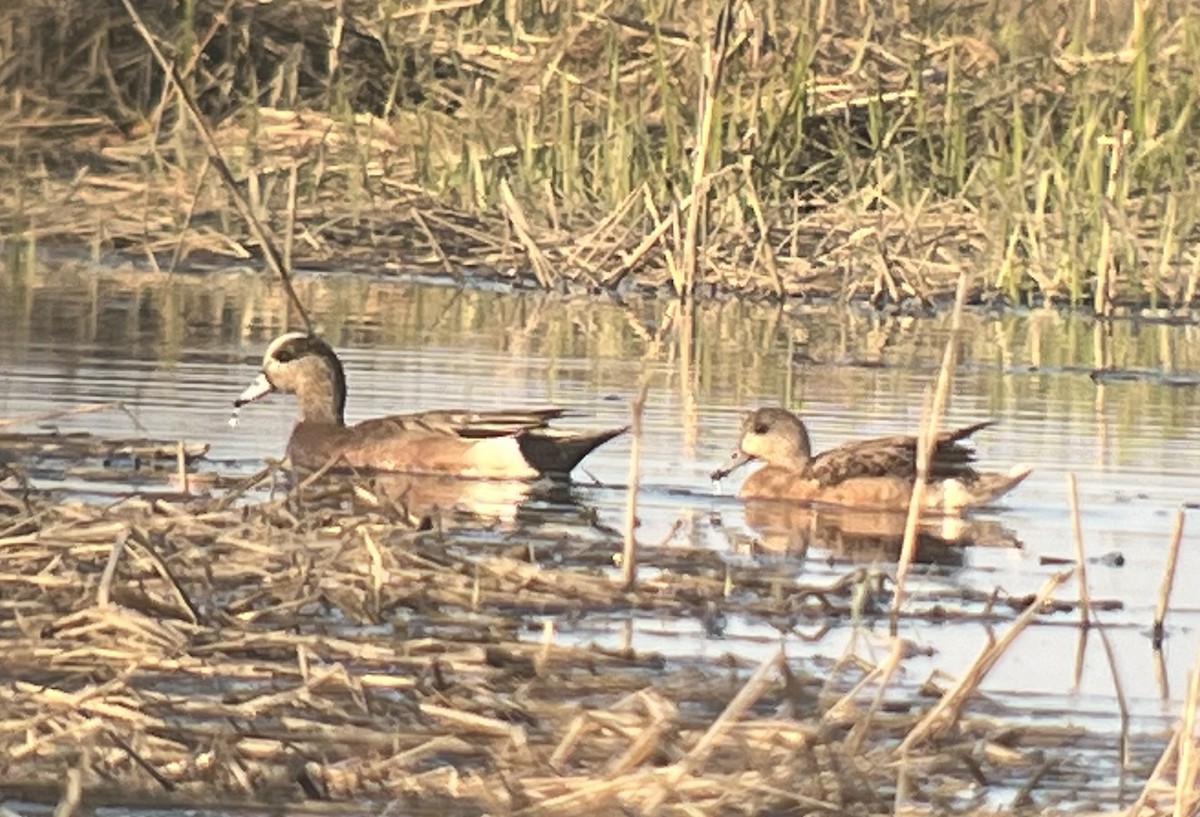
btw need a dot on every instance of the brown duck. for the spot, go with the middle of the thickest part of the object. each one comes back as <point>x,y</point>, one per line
<point>493,444</point>
<point>877,474</point>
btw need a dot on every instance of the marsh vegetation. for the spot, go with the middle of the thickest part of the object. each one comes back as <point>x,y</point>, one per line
<point>863,149</point>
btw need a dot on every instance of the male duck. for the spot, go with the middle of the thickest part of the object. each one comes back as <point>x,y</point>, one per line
<point>875,474</point>
<point>497,444</point>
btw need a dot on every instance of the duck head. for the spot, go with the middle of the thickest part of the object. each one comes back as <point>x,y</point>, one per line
<point>306,366</point>
<point>774,435</point>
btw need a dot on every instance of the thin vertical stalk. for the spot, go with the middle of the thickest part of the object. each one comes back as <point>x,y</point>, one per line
<point>926,441</point>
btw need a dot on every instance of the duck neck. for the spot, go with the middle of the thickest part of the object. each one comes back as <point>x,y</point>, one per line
<point>799,457</point>
<point>322,403</point>
<point>797,461</point>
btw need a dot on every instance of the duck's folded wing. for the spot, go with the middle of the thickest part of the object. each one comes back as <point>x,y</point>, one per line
<point>462,423</point>
<point>897,456</point>
<point>497,444</point>
<point>881,457</point>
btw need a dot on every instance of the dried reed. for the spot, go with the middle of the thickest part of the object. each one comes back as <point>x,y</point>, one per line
<point>811,148</point>
<point>926,442</point>
<point>1168,579</point>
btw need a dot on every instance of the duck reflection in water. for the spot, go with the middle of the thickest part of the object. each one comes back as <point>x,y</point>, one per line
<point>869,535</point>
<point>435,501</point>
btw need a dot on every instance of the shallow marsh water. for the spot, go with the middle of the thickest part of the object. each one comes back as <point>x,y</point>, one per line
<point>176,350</point>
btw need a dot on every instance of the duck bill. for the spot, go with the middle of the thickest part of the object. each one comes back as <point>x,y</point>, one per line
<point>257,390</point>
<point>737,460</point>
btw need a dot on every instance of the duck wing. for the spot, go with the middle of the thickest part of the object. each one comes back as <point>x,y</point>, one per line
<point>502,443</point>
<point>897,456</point>
<point>463,423</point>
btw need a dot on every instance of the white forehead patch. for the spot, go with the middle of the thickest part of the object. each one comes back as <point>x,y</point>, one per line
<point>279,341</point>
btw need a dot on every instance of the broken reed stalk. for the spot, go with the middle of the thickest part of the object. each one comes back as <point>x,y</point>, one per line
<point>1170,753</point>
<point>714,52</point>
<point>1187,775</point>
<point>693,762</point>
<point>186,608</point>
<point>72,788</point>
<point>104,591</point>
<point>181,472</point>
<point>926,442</point>
<point>435,245</point>
<point>1168,579</point>
<point>670,322</point>
<point>948,709</point>
<point>1102,298</point>
<point>1023,798</point>
<point>190,216</point>
<point>629,548</point>
<point>542,269</point>
<point>29,419</point>
<point>629,261</point>
<point>1182,752</point>
<point>271,253</point>
<point>1085,601</point>
<point>862,726</point>
<point>1118,688</point>
<point>289,225</point>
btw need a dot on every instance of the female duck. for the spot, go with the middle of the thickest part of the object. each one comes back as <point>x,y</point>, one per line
<point>876,474</point>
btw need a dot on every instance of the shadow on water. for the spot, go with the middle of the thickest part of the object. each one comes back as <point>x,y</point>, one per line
<point>175,351</point>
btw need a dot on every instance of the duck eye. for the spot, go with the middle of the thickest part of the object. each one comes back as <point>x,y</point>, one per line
<point>285,355</point>
<point>761,428</point>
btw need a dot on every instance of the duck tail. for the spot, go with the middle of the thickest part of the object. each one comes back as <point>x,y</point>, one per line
<point>984,489</point>
<point>952,458</point>
<point>556,453</point>
<point>955,435</point>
